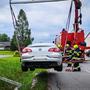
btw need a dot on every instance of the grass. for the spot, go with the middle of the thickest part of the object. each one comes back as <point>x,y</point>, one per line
<point>10,68</point>
<point>6,52</point>
<point>6,86</point>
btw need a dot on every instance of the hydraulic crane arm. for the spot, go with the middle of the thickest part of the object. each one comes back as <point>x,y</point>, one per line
<point>34,1</point>
<point>78,5</point>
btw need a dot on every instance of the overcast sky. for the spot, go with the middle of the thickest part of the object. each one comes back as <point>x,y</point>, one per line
<point>45,20</point>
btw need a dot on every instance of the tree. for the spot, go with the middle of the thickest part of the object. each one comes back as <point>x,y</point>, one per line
<point>22,31</point>
<point>4,38</point>
<point>14,43</point>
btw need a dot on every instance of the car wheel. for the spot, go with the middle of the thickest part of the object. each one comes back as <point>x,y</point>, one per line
<point>24,68</point>
<point>32,69</point>
<point>88,55</point>
<point>59,68</point>
<point>79,69</point>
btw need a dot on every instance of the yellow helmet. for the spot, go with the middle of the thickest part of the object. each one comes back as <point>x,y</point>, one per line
<point>75,46</point>
<point>59,46</point>
<point>67,45</point>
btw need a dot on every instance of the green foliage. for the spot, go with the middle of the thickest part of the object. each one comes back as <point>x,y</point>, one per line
<point>14,43</point>
<point>16,54</point>
<point>22,31</point>
<point>4,38</point>
<point>6,86</point>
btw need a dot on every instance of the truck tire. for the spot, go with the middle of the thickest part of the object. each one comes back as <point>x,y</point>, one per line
<point>59,68</point>
<point>24,68</point>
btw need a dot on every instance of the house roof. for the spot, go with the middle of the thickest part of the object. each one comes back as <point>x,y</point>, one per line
<point>4,44</point>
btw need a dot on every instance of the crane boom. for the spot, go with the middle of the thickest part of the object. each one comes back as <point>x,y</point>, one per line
<point>33,1</point>
<point>77,16</point>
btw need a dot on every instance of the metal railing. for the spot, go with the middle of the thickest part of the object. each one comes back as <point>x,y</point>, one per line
<point>16,84</point>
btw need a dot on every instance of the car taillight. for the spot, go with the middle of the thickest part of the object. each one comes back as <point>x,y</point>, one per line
<point>54,50</point>
<point>25,50</point>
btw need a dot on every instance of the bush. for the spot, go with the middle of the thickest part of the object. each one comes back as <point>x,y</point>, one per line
<point>16,54</point>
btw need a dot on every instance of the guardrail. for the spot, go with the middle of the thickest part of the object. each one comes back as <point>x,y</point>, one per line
<point>16,84</point>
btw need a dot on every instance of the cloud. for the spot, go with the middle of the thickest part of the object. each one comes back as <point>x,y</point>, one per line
<point>41,36</point>
<point>3,3</point>
<point>5,15</point>
<point>50,13</point>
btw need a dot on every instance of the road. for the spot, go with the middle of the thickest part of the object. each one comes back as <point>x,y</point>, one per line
<point>70,80</point>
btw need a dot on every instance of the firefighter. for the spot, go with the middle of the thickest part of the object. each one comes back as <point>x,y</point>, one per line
<point>59,46</point>
<point>75,55</point>
<point>68,50</point>
<point>68,53</point>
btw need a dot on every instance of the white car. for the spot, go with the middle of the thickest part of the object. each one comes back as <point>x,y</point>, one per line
<point>41,55</point>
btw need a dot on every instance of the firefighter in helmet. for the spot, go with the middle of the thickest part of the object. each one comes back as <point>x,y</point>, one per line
<point>68,53</point>
<point>75,55</point>
<point>59,46</point>
<point>68,50</point>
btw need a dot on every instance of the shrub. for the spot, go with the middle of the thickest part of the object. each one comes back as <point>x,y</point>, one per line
<point>16,54</point>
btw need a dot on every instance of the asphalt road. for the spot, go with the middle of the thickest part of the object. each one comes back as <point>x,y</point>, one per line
<point>70,80</point>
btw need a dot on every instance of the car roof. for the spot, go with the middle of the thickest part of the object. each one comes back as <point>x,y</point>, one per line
<point>42,44</point>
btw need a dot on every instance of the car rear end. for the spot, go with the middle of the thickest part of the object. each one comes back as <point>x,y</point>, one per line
<point>43,55</point>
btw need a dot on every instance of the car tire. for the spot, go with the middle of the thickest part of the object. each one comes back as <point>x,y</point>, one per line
<point>32,69</point>
<point>59,68</point>
<point>24,68</point>
<point>88,55</point>
<point>79,69</point>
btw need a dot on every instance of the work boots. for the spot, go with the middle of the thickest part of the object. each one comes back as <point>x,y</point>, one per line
<point>78,69</point>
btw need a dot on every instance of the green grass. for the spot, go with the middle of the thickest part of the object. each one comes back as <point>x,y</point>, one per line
<point>6,52</point>
<point>6,86</point>
<point>10,68</point>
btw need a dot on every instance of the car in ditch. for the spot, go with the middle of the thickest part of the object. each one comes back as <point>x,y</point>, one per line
<point>41,55</point>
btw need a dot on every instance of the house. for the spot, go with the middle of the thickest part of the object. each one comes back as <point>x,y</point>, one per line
<point>4,45</point>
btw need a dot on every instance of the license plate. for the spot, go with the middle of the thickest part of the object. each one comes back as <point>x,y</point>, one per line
<point>40,58</point>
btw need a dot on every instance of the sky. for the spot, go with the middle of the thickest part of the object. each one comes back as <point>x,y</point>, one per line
<point>46,20</point>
